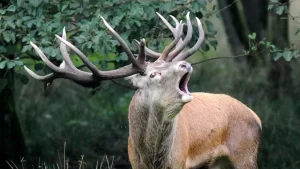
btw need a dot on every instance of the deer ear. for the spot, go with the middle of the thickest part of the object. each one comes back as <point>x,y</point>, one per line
<point>137,80</point>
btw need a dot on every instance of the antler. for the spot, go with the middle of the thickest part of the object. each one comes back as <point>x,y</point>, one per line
<point>93,79</point>
<point>89,79</point>
<point>177,54</point>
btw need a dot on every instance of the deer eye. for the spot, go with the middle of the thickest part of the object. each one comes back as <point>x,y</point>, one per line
<point>152,75</point>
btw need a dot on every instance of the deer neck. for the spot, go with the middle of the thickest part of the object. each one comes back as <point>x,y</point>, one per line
<point>151,129</point>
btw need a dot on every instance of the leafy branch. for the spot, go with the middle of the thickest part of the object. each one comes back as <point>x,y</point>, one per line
<point>282,8</point>
<point>287,53</point>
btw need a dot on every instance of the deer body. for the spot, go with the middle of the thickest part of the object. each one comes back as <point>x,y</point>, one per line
<point>210,126</point>
<point>170,128</point>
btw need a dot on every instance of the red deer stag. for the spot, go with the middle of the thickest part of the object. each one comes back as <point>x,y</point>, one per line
<point>169,127</point>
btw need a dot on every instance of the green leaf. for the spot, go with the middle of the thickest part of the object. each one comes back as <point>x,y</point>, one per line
<point>2,50</point>
<point>11,8</point>
<point>150,12</point>
<point>35,3</point>
<point>246,52</point>
<point>205,47</point>
<point>111,56</point>
<point>210,26</point>
<point>26,48</point>
<point>215,8</point>
<point>275,1</point>
<point>111,66</point>
<point>20,3</point>
<point>298,30</point>
<point>202,3</point>
<point>276,55</point>
<point>123,56</point>
<point>18,62</point>
<point>64,7</point>
<point>195,6</point>
<point>6,36</point>
<point>253,48</point>
<point>11,24</point>
<point>270,6</point>
<point>10,64</point>
<point>262,42</point>
<point>2,12</point>
<point>287,55</point>
<point>138,23</point>
<point>252,36</point>
<point>96,57</point>
<point>294,53</point>
<point>2,64</point>
<point>168,6</point>
<point>279,10</point>
<point>272,47</point>
<point>214,44</point>
<point>9,36</point>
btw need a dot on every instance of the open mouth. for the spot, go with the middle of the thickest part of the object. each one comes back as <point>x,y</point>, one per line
<point>183,83</point>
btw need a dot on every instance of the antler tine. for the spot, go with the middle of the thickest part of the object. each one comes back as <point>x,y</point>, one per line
<point>66,68</point>
<point>44,58</point>
<point>149,52</point>
<point>142,56</point>
<point>123,44</point>
<point>64,52</point>
<point>168,49</point>
<point>44,78</point>
<point>82,56</point>
<point>174,30</point>
<point>179,48</point>
<point>198,44</point>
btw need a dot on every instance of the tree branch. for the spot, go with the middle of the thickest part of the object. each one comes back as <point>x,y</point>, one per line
<point>225,57</point>
<point>218,11</point>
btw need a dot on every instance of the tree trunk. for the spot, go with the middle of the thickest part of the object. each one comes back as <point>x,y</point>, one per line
<point>279,74</point>
<point>240,21</point>
<point>244,17</point>
<point>12,144</point>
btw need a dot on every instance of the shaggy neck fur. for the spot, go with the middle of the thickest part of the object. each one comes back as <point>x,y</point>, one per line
<point>151,130</point>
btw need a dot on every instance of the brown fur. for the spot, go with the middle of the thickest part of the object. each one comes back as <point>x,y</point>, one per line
<point>208,127</point>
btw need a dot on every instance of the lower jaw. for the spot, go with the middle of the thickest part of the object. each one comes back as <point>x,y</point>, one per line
<point>186,98</point>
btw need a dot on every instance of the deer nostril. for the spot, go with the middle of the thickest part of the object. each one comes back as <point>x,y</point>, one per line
<point>183,66</point>
<point>186,66</point>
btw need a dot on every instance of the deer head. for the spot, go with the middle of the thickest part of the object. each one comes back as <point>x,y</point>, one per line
<point>164,84</point>
<point>168,75</point>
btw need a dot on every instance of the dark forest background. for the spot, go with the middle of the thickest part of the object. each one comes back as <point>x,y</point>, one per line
<point>250,52</point>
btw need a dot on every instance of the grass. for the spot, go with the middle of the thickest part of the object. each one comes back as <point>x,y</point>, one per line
<point>64,163</point>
